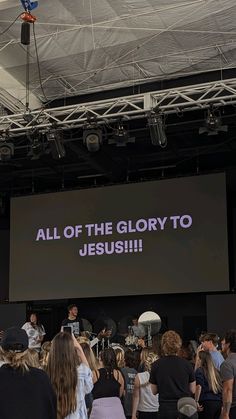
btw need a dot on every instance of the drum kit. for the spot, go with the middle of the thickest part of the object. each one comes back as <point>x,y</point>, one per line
<point>105,329</point>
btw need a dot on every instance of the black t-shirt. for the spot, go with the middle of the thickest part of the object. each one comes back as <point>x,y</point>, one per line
<point>77,325</point>
<point>172,375</point>
<point>26,395</point>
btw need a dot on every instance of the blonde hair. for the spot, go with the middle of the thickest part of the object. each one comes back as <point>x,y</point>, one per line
<point>120,357</point>
<point>45,354</point>
<point>211,373</point>
<point>16,359</point>
<point>88,352</point>
<point>171,343</point>
<point>32,358</point>
<point>149,359</point>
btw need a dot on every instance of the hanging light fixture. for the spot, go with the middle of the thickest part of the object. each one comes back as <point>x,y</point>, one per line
<point>156,126</point>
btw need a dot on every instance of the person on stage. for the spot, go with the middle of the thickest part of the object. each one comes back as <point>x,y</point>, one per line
<point>73,320</point>
<point>35,332</point>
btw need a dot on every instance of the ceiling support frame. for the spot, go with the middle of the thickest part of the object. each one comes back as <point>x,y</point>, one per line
<point>169,101</point>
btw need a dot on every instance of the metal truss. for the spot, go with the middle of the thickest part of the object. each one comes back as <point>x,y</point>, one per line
<point>176,100</point>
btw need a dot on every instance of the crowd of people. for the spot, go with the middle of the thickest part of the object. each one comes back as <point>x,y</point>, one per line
<point>64,379</point>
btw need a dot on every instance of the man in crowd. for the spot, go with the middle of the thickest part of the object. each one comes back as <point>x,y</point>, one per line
<point>228,375</point>
<point>209,343</point>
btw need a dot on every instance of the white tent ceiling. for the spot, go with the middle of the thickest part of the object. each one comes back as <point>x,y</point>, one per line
<point>87,46</point>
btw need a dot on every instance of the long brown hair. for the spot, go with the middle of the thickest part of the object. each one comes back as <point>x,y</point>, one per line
<point>62,370</point>
<point>88,352</point>
<point>211,373</point>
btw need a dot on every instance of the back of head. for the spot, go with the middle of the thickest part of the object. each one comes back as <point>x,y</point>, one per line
<point>187,408</point>
<point>230,338</point>
<point>131,359</point>
<point>14,348</point>
<point>88,352</point>
<point>15,339</point>
<point>62,350</point>
<point>108,358</point>
<point>171,343</point>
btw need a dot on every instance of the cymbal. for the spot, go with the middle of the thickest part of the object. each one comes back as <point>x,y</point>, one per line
<point>87,325</point>
<point>124,323</point>
<point>152,320</point>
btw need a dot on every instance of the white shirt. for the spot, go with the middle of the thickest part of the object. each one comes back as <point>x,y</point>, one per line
<point>147,401</point>
<point>34,332</point>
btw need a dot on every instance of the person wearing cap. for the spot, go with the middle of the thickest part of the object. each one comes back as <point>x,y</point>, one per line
<point>187,408</point>
<point>25,392</point>
<point>171,377</point>
<point>228,375</point>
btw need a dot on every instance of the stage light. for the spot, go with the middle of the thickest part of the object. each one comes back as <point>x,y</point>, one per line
<point>6,151</point>
<point>156,126</point>
<point>92,138</point>
<point>120,136</point>
<point>213,123</point>
<point>36,145</point>
<point>55,140</point>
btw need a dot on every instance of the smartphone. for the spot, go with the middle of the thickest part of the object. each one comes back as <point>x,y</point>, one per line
<point>67,329</point>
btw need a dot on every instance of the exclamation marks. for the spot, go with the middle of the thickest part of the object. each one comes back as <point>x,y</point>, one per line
<point>133,246</point>
<point>137,245</point>
<point>140,245</point>
<point>130,246</point>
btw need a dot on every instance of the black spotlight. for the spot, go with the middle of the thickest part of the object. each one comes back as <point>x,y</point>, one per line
<point>6,151</point>
<point>121,136</point>
<point>156,126</point>
<point>55,140</point>
<point>92,138</point>
<point>213,123</point>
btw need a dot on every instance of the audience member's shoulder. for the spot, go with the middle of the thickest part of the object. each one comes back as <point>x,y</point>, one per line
<point>37,372</point>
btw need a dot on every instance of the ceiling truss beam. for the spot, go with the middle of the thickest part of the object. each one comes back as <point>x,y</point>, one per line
<point>176,100</point>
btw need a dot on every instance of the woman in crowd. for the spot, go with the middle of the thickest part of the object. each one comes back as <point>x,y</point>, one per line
<point>120,357</point>
<point>171,376</point>
<point>208,387</point>
<point>145,403</point>
<point>129,373</point>
<point>93,365</point>
<point>108,388</point>
<point>70,376</point>
<point>35,332</point>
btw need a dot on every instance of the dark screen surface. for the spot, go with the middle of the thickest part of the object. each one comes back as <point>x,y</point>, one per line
<point>159,237</point>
